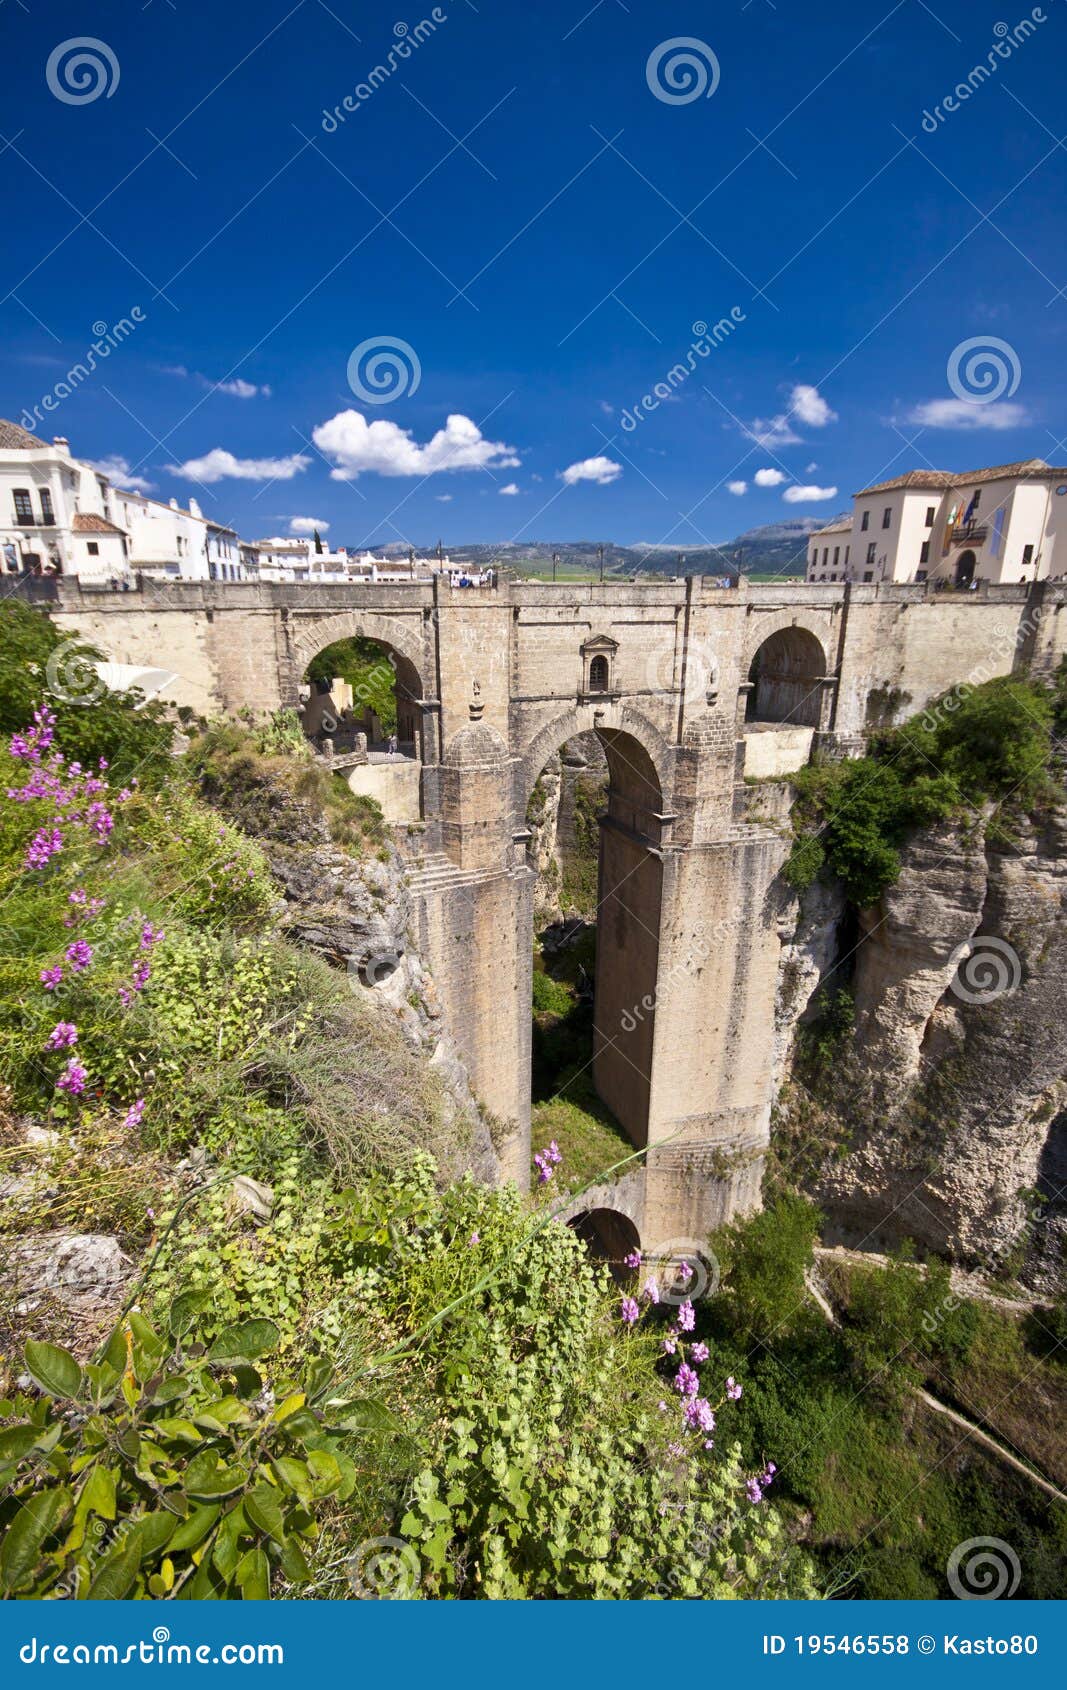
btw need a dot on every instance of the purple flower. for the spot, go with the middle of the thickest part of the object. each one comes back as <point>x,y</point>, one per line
<point>699,1415</point>
<point>755,1494</point>
<point>51,978</point>
<point>652,1291</point>
<point>544,1160</point>
<point>733,1389</point>
<point>685,1272</point>
<point>709,1443</point>
<point>150,936</point>
<point>686,1382</point>
<point>63,1034</point>
<point>554,1153</point>
<point>44,845</point>
<point>133,1114</point>
<point>79,955</point>
<point>475,1238</point>
<point>670,1342</point>
<point>629,1311</point>
<point>72,1079</point>
<point>699,1352</point>
<point>633,1260</point>
<point>140,975</point>
<point>686,1317</point>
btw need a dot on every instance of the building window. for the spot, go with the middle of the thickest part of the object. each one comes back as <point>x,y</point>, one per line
<point>920,575</point>
<point>887,516</point>
<point>865,520</point>
<point>1028,555</point>
<point>48,516</point>
<point>870,552</point>
<point>23,505</point>
<point>846,557</point>
<point>92,548</point>
<point>836,550</point>
<point>833,577</point>
<point>924,552</point>
<point>931,512</point>
<point>868,575</point>
<point>598,675</point>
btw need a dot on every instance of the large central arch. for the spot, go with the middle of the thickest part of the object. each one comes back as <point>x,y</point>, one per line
<point>629,905</point>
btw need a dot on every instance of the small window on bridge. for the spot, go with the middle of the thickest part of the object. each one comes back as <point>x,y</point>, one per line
<point>598,674</point>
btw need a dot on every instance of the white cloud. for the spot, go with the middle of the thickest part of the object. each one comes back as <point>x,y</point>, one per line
<point>240,389</point>
<point>808,495</point>
<point>738,488</point>
<point>383,448</point>
<point>218,464</point>
<point>608,410</point>
<point>810,407</point>
<point>809,468</point>
<point>307,525</point>
<point>443,498</point>
<point>772,432</point>
<point>510,490</point>
<point>601,470</point>
<point>966,415</point>
<point>769,477</point>
<point>237,386</point>
<point>118,471</point>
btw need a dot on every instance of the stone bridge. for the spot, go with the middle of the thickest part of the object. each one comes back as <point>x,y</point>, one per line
<point>687,685</point>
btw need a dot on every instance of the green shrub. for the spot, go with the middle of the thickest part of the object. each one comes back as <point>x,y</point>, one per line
<point>550,997</point>
<point>159,1471</point>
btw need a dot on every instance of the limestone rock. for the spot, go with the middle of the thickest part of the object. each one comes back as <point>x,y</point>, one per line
<point>75,1268</point>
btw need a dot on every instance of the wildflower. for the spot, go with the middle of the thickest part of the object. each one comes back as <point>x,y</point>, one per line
<point>629,1311</point>
<point>670,1342</point>
<point>709,1443</point>
<point>79,955</point>
<point>633,1260</point>
<point>545,1161</point>
<point>140,976</point>
<point>676,1449</point>
<point>662,1406</point>
<point>767,1476</point>
<point>700,1352</point>
<point>686,1317</point>
<point>686,1382</point>
<point>475,1238</point>
<point>733,1389</point>
<point>63,1034</point>
<point>133,1115</point>
<point>699,1415</point>
<point>150,936</point>
<point>72,1079</point>
<point>652,1291</point>
<point>685,1272</point>
<point>151,1213</point>
<point>44,845</point>
<point>51,978</point>
<point>755,1494</point>
<point>554,1153</point>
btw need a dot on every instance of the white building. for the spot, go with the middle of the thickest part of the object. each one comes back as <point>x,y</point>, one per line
<point>55,517</point>
<point>1003,524</point>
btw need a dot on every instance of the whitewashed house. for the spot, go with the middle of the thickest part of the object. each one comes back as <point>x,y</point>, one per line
<point>1007,523</point>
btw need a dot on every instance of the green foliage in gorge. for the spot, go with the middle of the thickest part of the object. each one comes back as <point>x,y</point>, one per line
<point>976,746</point>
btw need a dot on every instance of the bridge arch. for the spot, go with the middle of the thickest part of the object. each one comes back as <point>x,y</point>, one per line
<point>629,905</point>
<point>396,633</point>
<point>608,1235</point>
<point>400,652</point>
<point>785,676</point>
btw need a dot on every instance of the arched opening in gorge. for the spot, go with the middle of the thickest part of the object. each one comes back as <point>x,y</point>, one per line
<point>785,680</point>
<point>609,1237</point>
<point>360,693</point>
<point>594,818</point>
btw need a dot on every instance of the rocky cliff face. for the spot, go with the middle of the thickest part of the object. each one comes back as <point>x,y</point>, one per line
<point>949,1103</point>
<point>358,914</point>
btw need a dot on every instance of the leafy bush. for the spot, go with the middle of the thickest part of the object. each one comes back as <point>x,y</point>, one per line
<point>41,666</point>
<point>550,997</point>
<point>765,1258</point>
<point>162,1471</point>
<point>369,671</point>
<point>971,747</point>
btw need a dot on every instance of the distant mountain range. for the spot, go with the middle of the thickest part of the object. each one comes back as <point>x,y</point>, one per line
<point>778,548</point>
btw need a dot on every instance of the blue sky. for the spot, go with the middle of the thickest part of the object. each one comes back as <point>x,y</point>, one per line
<point>517,203</point>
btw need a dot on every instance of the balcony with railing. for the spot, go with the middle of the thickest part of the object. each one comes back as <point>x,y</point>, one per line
<point>970,534</point>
